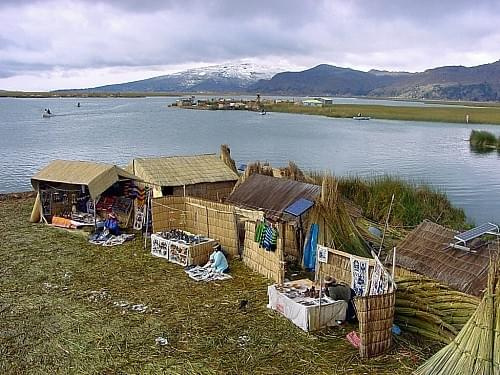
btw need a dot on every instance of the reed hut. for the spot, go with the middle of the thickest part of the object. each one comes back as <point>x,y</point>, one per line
<point>428,251</point>
<point>63,184</point>
<point>271,200</point>
<point>375,307</point>
<point>203,176</point>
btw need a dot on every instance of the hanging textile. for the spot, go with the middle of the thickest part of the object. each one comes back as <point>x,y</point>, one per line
<point>259,231</point>
<point>310,248</point>
<point>270,239</point>
<point>359,272</point>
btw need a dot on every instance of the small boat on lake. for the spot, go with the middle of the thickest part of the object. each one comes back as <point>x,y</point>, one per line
<point>359,117</point>
<point>47,113</point>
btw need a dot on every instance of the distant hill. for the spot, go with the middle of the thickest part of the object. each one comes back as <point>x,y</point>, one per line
<point>478,83</point>
<point>217,78</point>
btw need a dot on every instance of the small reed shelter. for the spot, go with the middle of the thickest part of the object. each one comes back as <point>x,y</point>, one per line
<point>202,176</point>
<point>279,202</point>
<point>459,260</point>
<point>65,187</point>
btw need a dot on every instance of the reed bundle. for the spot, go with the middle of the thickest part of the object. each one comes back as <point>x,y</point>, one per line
<point>334,220</point>
<point>225,154</point>
<point>431,309</point>
<point>476,348</point>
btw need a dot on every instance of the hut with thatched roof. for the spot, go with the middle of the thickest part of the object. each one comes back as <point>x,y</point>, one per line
<point>428,251</point>
<point>63,185</point>
<point>283,205</point>
<point>204,176</point>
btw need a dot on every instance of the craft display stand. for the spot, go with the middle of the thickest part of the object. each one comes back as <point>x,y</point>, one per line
<point>181,253</point>
<point>305,312</point>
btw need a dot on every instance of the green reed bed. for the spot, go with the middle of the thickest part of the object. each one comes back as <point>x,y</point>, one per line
<point>59,315</point>
<point>412,203</point>
<point>477,115</point>
<point>483,139</point>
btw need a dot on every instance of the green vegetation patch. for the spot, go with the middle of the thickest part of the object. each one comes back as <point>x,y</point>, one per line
<point>482,139</point>
<point>477,115</point>
<point>412,203</point>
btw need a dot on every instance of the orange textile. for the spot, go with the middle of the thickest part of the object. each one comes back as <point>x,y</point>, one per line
<point>61,222</point>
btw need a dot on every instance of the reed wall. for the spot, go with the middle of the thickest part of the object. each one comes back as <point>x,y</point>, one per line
<point>211,219</point>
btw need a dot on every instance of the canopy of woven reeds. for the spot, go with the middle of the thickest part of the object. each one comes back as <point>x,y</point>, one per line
<point>272,195</point>
<point>426,251</point>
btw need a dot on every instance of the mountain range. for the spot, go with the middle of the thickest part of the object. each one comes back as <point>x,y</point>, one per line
<point>478,83</point>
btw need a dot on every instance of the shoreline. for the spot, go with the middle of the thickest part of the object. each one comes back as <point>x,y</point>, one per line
<point>459,115</point>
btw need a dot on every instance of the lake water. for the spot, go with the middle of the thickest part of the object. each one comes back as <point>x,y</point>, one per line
<point>116,130</point>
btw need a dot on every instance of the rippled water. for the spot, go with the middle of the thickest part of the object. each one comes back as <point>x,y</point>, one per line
<point>116,130</point>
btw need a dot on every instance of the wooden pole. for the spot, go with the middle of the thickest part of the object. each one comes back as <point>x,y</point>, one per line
<point>386,225</point>
<point>147,206</point>
<point>95,215</point>
<point>394,263</point>
<point>208,225</point>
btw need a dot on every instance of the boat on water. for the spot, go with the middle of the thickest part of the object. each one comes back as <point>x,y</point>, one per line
<point>360,117</point>
<point>263,112</point>
<point>47,113</point>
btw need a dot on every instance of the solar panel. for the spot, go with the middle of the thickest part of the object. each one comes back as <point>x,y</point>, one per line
<point>298,207</point>
<point>476,232</point>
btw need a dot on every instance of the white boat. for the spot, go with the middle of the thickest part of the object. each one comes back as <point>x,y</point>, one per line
<point>361,118</point>
<point>47,114</point>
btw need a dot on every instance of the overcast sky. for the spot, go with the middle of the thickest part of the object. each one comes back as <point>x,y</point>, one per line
<point>47,45</point>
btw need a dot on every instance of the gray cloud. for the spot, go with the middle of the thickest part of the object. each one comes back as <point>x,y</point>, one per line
<point>43,36</point>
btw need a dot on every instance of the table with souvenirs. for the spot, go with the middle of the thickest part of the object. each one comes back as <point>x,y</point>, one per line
<point>181,247</point>
<point>299,302</point>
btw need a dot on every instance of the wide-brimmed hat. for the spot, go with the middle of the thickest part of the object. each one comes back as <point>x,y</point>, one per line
<point>328,279</point>
<point>217,246</point>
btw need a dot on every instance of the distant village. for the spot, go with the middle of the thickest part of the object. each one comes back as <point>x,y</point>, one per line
<point>256,104</point>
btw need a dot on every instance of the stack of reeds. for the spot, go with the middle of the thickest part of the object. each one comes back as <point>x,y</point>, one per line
<point>431,309</point>
<point>225,155</point>
<point>476,349</point>
<point>337,229</point>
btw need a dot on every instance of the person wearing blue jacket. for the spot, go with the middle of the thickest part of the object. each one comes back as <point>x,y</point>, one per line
<point>111,224</point>
<point>218,260</point>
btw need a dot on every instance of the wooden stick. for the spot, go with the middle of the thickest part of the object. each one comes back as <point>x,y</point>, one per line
<point>386,225</point>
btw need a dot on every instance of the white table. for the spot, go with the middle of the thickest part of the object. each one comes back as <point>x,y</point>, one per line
<point>309,318</point>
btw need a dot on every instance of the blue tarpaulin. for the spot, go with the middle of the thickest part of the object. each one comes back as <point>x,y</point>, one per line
<point>310,248</point>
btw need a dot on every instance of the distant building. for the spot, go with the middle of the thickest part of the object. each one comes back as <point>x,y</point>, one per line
<point>326,101</point>
<point>312,103</point>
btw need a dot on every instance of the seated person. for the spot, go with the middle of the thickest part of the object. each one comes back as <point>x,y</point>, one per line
<point>111,224</point>
<point>218,260</point>
<point>341,292</point>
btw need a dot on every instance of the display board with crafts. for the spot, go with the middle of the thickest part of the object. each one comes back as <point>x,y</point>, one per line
<point>181,247</point>
<point>305,305</point>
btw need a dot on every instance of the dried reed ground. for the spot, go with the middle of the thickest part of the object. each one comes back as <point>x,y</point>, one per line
<point>51,322</point>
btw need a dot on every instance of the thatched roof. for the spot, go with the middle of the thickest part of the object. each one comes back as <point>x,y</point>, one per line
<point>96,176</point>
<point>183,170</point>
<point>271,194</point>
<point>426,251</point>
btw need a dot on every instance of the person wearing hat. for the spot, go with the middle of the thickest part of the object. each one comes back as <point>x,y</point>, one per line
<point>111,224</point>
<point>337,292</point>
<point>218,260</point>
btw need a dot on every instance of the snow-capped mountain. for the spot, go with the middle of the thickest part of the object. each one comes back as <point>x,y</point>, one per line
<point>234,77</point>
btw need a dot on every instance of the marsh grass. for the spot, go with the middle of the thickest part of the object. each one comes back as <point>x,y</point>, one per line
<point>57,315</point>
<point>482,139</point>
<point>413,202</point>
<point>477,115</point>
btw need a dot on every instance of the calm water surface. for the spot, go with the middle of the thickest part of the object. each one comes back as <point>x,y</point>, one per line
<point>116,130</point>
